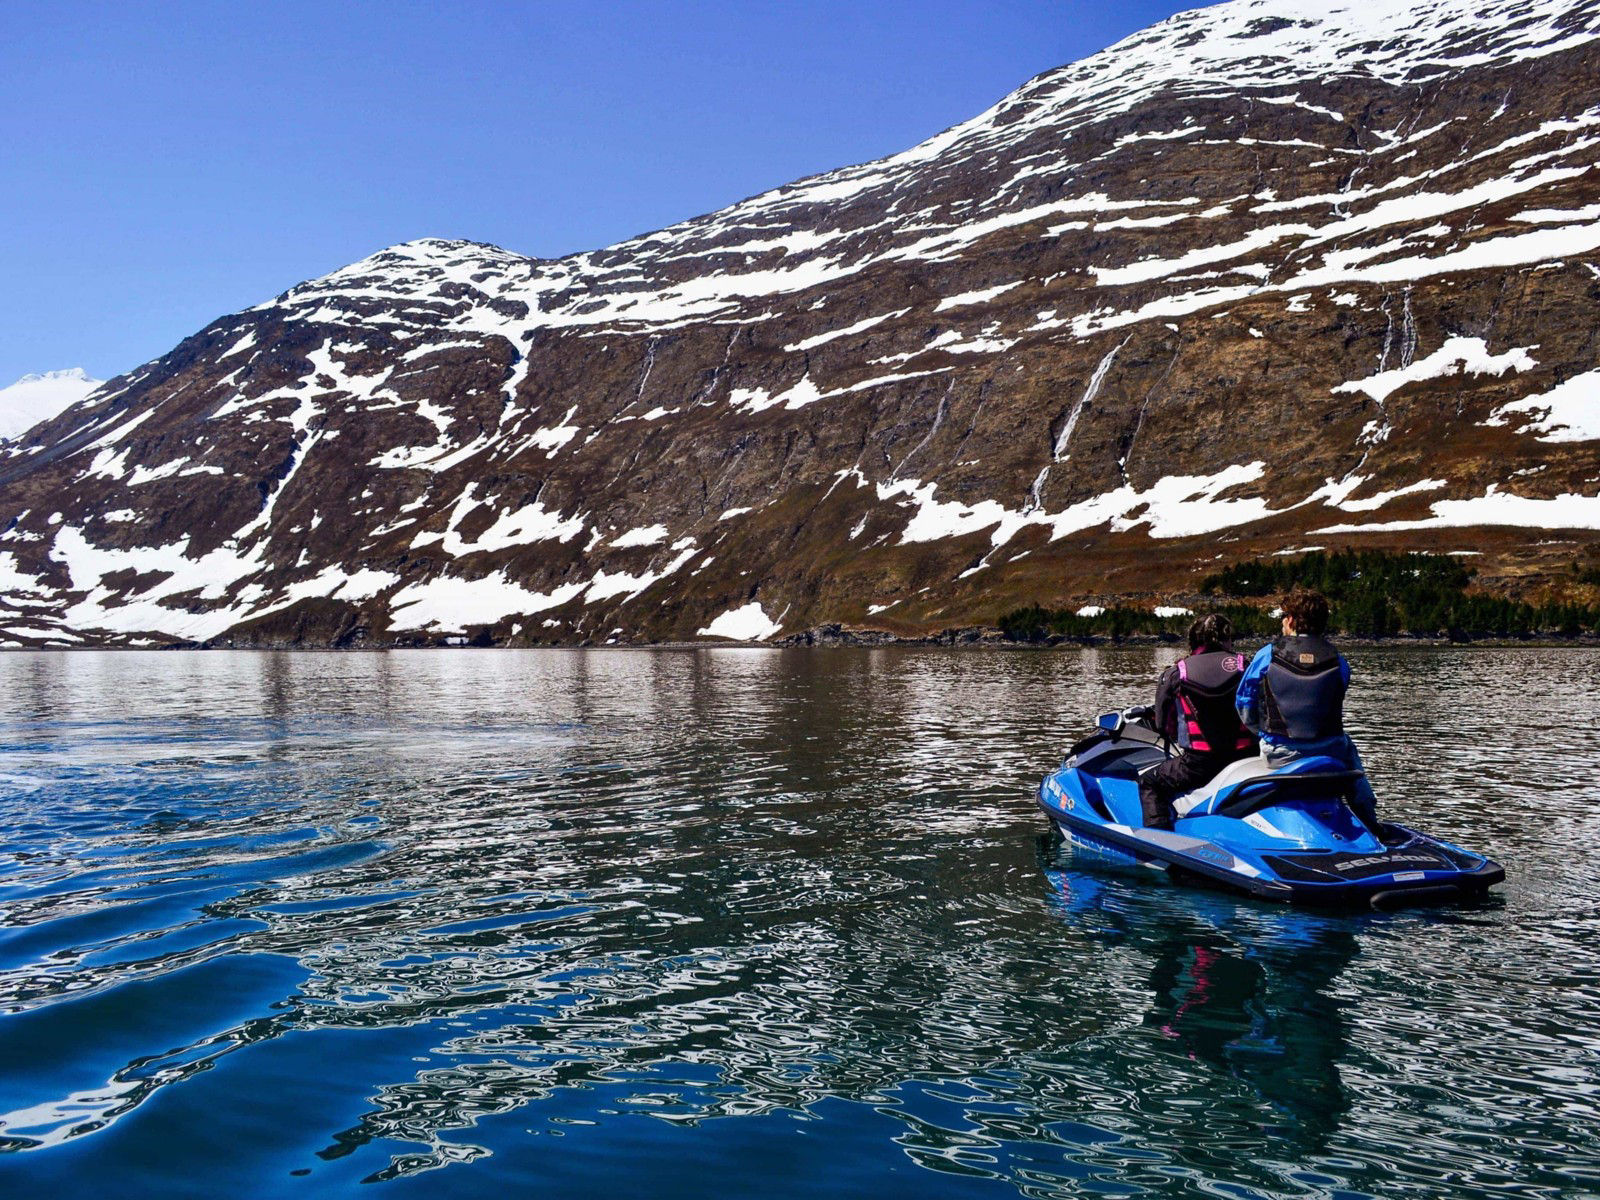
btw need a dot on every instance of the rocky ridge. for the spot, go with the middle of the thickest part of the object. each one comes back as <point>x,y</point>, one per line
<point>1266,275</point>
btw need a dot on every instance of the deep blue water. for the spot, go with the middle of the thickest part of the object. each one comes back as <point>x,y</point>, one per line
<point>755,923</point>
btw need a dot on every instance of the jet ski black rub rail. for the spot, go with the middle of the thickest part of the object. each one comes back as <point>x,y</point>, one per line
<point>1195,855</point>
<point>1407,897</point>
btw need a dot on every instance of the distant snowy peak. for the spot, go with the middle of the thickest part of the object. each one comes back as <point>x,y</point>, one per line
<point>36,398</point>
<point>1038,159</point>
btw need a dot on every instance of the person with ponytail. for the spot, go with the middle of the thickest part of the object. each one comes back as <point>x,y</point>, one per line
<point>1195,712</point>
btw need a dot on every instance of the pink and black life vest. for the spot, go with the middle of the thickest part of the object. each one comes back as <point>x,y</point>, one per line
<point>1207,720</point>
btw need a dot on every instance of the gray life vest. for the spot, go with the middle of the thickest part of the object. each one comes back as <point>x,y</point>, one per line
<point>1303,690</point>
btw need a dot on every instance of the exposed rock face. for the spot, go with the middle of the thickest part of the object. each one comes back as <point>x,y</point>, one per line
<point>1264,275</point>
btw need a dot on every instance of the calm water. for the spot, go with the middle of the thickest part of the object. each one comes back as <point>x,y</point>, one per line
<point>754,923</point>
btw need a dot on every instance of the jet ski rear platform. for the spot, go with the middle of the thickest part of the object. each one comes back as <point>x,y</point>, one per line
<point>1284,833</point>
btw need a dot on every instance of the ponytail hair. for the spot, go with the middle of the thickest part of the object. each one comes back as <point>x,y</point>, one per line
<point>1211,632</point>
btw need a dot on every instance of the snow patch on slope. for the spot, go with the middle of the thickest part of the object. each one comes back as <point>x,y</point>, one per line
<point>1568,412</point>
<point>1458,356</point>
<point>450,604</point>
<point>519,527</point>
<point>1176,506</point>
<point>749,623</point>
<point>644,535</point>
<point>1494,507</point>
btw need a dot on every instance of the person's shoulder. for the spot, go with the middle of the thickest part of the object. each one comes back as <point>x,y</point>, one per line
<point>1338,654</point>
<point>1255,665</point>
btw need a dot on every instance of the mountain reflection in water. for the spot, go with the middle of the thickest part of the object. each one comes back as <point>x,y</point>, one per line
<point>755,922</point>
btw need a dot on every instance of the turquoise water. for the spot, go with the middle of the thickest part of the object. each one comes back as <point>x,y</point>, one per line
<point>754,923</point>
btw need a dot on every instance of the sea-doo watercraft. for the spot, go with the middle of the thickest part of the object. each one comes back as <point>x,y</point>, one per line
<point>1284,833</point>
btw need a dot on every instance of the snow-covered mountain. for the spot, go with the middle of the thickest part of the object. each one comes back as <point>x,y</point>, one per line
<point>1265,275</point>
<point>36,398</point>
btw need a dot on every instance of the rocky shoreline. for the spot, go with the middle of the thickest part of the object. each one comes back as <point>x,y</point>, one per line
<point>831,637</point>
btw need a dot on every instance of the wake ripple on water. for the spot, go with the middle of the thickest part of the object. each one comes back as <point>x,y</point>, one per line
<point>587,920</point>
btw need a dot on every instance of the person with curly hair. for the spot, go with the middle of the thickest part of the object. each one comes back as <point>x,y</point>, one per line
<point>1292,695</point>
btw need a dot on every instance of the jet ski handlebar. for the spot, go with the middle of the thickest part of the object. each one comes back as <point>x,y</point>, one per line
<point>1115,722</point>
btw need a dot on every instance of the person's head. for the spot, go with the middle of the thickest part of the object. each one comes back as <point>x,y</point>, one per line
<point>1305,612</point>
<point>1210,632</point>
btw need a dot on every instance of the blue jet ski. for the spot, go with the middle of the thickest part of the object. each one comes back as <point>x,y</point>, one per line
<point>1283,833</point>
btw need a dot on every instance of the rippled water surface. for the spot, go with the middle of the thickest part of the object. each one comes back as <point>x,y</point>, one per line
<point>755,923</point>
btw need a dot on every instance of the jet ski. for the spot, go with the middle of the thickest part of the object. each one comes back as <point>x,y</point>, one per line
<point>1282,833</point>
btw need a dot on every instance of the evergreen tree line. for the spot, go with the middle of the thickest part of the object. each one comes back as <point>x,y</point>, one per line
<point>1036,624</point>
<point>1374,594</point>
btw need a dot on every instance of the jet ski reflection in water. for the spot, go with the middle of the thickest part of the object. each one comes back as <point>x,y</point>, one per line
<point>1247,992</point>
<point>1265,1017</point>
<point>1297,822</point>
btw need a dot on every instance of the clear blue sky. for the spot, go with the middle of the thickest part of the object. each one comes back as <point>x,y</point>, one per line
<point>164,163</point>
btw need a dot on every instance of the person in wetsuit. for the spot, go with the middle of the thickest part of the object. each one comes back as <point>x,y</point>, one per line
<point>1195,712</point>
<point>1292,695</point>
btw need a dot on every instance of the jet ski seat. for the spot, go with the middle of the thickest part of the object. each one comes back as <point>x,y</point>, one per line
<point>1254,767</point>
<point>1230,793</point>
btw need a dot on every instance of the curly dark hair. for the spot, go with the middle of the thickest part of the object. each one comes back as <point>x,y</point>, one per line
<point>1308,610</point>
<point>1211,632</point>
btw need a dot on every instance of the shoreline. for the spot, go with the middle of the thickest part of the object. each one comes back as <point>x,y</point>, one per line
<point>834,638</point>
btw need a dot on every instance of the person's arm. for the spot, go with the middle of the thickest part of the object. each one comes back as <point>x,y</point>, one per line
<point>1166,707</point>
<point>1248,700</point>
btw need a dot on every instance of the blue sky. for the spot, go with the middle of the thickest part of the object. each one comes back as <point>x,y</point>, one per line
<point>165,163</point>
